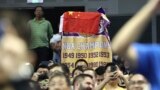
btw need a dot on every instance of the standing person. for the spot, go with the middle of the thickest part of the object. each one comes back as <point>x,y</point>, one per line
<point>41,32</point>
<point>145,57</point>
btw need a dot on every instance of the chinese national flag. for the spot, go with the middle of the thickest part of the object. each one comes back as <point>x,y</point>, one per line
<point>81,22</point>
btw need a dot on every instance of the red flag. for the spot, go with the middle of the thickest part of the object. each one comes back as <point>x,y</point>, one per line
<point>81,22</point>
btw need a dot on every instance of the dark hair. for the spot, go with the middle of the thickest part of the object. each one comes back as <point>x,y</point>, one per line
<point>100,70</point>
<point>80,78</point>
<point>81,60</point>
<point>38,7</point>
<point>60,74</point>
<point>112,65</point>
<point>63,66</point>
<point>77,68</point>
<point>43,66</point>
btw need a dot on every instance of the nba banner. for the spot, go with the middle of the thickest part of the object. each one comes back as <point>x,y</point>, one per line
<point>94,49</point>
<point>85,40</point>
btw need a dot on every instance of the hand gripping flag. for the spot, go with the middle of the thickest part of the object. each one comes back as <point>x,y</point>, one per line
<point>80,22</point>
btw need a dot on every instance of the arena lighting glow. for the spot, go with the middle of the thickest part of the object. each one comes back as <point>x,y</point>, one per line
<point>34,1</point>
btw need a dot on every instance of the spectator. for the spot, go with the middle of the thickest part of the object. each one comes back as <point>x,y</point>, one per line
<point>91,72</point>
<point>113,81</point>
<point>77,71</point>
<point>56,46</point>
<point>59,67</point>
<point>43,68</point>
<point>13,57</point>
<point>41,73</point>
<point>41,32</point>
<point>59,81</point>
<point>81,62</point>
<point>14,66</point>
<point>138,82</point>
<point>99,74</point>
<point>83,82</point>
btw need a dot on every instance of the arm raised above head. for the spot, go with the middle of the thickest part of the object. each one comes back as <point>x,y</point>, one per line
<point>131,31</point>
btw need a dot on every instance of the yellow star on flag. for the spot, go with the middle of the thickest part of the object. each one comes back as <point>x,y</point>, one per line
<point>70,13</point>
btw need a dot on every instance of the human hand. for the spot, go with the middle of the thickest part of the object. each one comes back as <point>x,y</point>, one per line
<point>110,75</point>
<point>119,72</point>
<point>35,76</point>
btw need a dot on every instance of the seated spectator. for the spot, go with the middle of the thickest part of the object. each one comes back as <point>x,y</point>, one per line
<point>41,76</point>
<point>43,68</point>
<point>138,82</point>
<point>59,67</point>
<point>112,83</point>
<point>99,74</point>
<point>78,70</point>
<point>91,72</point>
<point>81,62</point>
<point>41,73</point>
<point>83,82</point>
<point>59,81</point>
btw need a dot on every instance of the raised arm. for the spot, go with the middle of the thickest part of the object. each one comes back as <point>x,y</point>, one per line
<point>105,81</point>
<point>131,31</point>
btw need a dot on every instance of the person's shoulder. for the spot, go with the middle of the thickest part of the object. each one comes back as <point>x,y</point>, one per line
<point>46,20</point>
